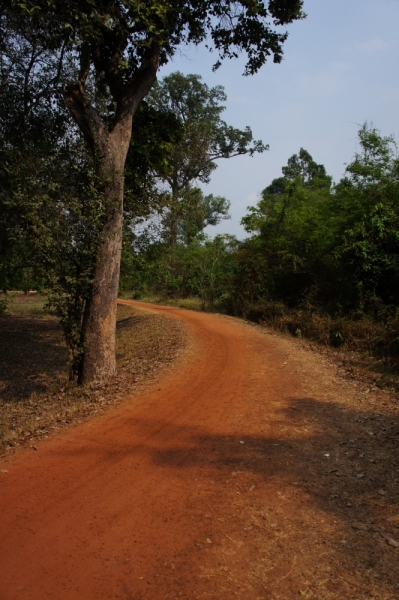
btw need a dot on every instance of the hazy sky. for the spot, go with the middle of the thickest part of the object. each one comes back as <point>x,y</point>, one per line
<point>340,69</point>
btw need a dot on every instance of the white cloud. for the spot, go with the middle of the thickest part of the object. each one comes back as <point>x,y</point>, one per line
<point>328,82</point>
<point>375,45</point>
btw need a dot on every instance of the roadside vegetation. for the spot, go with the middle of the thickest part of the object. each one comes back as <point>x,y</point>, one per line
<point>321,260</point>
<point>78,128</point>
<point>93,203</point>
<point>36,396</point>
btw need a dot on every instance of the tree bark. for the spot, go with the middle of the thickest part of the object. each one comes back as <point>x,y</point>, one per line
<point>99,324</point>
<point>109,149</point>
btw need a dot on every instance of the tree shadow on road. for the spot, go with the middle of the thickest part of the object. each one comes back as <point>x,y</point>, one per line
<point>330,460</point>
<point>315,491</point>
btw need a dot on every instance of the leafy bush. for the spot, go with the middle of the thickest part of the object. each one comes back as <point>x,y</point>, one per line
<point>3,306</point>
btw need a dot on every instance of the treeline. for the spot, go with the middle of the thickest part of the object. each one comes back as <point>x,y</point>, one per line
<point>53,200</point>
<point>89,143</point>
<point>321,259</point>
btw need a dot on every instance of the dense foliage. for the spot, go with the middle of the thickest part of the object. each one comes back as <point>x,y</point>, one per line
<point>315,250</point>
<point>89,65</point>
<point>51,206</point>
<point>181,119</point>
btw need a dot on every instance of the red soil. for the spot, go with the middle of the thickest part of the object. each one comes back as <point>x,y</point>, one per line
<point>214,483</point>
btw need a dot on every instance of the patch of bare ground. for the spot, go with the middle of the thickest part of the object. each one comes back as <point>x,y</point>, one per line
<point>36,397</point>
<point>332,504</point>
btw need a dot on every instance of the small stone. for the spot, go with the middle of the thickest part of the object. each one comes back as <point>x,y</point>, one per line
<point>242,442</point>
<point>4,471</point>
<point>208,541</point>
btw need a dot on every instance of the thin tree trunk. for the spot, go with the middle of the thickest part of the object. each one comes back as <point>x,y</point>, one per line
<point>174,216</point>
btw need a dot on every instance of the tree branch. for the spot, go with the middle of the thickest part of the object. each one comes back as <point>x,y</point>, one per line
<point>85,62</point>
<point>56,79</point>
<point>141,83</point>
<point>85,115</point>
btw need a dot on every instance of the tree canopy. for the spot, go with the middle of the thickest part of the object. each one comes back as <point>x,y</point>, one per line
<point>204,136</point>
<point>321,259</point>
<point>191,137</point>
<point>102,59</point>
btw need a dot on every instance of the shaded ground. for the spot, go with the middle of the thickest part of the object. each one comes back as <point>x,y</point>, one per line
<point>35,395</point>
<point>251,471</point>
<point>32,350</point>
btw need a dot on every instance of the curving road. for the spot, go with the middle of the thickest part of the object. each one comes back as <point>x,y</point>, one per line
<point>199,488</point>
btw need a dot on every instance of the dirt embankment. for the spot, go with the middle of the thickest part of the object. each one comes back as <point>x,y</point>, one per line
<point>253,470</point>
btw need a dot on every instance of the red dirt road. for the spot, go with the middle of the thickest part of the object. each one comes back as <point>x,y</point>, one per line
<point>214,483</point>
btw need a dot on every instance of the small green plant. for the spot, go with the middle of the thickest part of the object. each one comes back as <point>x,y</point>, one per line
<point>337,339</point>
<point>3,307</point>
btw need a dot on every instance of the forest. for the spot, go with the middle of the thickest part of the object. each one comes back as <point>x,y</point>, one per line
<point>320,259</point>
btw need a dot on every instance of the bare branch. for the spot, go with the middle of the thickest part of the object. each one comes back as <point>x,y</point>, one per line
<point>56,79</point>
<point>85,115</point>
<point>85,62</point>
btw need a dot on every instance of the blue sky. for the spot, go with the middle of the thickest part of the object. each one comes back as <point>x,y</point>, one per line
<point>340,69</point>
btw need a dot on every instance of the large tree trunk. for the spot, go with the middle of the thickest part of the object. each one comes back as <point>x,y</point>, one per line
<point>98,361</point>
<point>99,324</point>
<point>109,149</point>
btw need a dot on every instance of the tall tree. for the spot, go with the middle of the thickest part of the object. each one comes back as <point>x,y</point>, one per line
<point>114,49</point>
<point>293,230</point>
<point>366,205</point>
<point>204,138</point>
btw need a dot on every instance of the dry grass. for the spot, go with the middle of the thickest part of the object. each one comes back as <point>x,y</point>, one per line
<point>36,397</point>
<point>375,342</point>
<point>31,304</point>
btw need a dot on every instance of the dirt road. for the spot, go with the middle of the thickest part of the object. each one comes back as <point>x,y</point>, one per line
<point>235,476</point>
